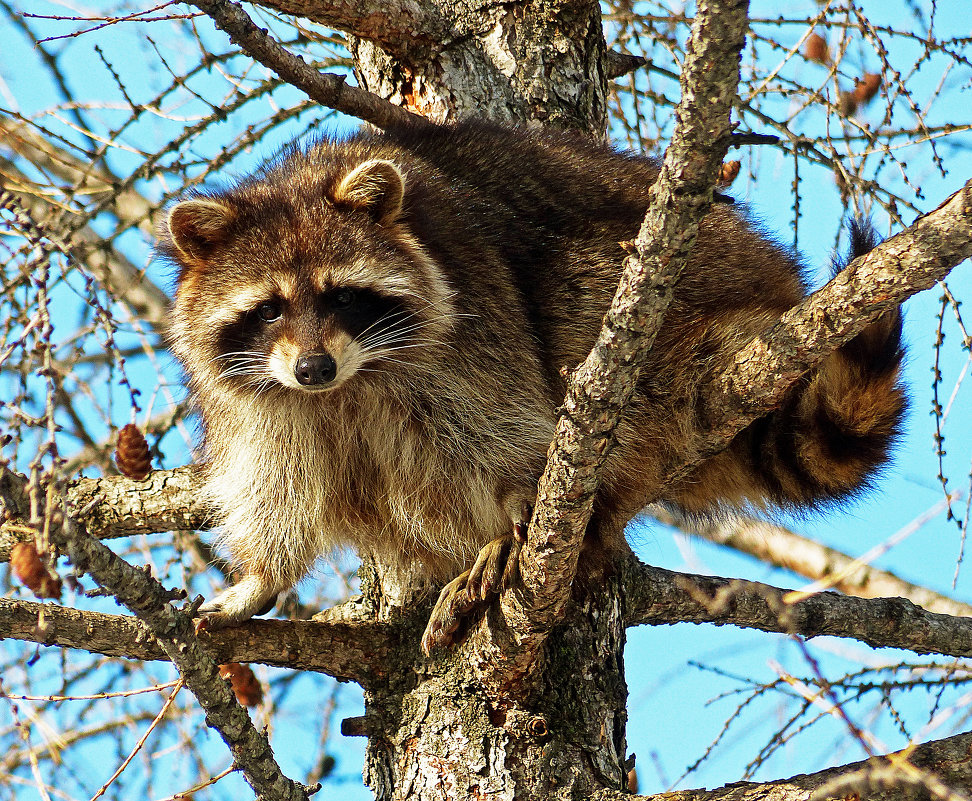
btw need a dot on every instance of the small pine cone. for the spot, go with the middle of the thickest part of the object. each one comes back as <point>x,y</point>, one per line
<point>866,88</point>
<point>728,173</point>
<point>31,571</point>
<point>815,49</point>
<point>244,683</point>
<point>846,103</point>
<point>132,454</point>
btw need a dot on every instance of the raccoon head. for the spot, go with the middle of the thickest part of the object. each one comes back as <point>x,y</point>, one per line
<point>299,281</point>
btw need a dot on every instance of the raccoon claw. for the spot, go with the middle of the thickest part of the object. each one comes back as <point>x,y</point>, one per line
<point>236,604</point>
<point>486,574</point>
<point>495,569</point>
<point>453,604</point>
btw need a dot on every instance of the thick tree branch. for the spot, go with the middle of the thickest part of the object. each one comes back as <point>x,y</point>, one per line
<point>352,650</point>
<point>762,372</point>
<point>328,89</point>
<point>402,28</point>
<point>539,61</point>
<point>655,596</point>
<point>920,772</point>
<point>399,26</point>
<point>600,387</point>
<point>354,647</point>
<point>173,629</point>
<point>775,545</point>
<point>116,506</point>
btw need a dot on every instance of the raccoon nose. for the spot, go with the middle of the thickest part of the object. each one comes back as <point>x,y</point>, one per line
<point>315,368</point>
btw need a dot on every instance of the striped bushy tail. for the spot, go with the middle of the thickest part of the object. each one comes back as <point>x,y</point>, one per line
<point>839,423</point>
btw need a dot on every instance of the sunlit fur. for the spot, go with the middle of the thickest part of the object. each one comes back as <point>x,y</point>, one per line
<point>487,258</point>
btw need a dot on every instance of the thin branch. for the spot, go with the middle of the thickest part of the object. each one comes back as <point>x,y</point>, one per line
<point>328,89</point>
<point>775,545</point>
<point>655,596</point>
<point>123,279</point>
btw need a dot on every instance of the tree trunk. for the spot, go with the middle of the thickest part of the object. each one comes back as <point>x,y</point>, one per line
<point>542,62</point>
<point>433,734</point>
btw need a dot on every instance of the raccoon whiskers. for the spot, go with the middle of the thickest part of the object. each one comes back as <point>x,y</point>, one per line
<point>389,325</point>
<point>394,334</point>
<point>266,384</point>
<point>233,354</point>
<point>392,328</point>
<point>252,366</point>
<point>241,363</point>
<point>240,370</point>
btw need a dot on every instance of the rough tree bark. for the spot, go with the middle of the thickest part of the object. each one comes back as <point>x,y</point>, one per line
<point>522,715</point>
<point>540,61</point>
<point>434,731</point>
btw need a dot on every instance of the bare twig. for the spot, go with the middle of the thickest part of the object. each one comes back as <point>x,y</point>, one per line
<point>326,88</point>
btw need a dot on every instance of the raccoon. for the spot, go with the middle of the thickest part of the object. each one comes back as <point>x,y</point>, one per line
<point>375,330</point>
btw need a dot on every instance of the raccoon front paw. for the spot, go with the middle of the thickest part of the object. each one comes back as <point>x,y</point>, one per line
<point>495,569</point>
<point>237,604</point>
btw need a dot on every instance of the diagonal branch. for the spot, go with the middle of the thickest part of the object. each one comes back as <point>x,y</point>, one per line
<point>173,629</point>
<point>328,89</point>
<point>600,387</point>
<point>940,765</point>
<point>913,260</point>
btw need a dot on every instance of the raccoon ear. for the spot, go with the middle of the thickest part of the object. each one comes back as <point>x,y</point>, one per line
<point>374,186</point>
<point>198,227</point>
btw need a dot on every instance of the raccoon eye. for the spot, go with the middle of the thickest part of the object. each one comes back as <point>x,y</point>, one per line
<point>269,311</point>
<point>343,298</point>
